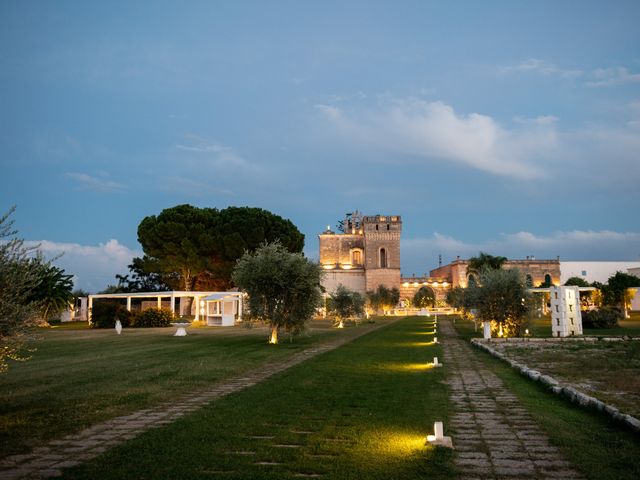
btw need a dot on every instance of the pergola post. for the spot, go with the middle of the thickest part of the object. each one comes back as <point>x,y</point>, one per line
<point>89,308</point>
<point>159,301</point>
<point>173,304</point>
<point>128,304</point>
<point>196,301</point>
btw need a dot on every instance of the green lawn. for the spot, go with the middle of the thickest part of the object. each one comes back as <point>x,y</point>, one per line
<point>359,412</point>
<point>78,376</point>
<point>541,327</point>
<point>598,447</point>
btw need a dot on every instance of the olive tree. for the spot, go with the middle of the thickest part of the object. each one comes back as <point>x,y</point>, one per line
<point>19,276</point>
<point>383,298</point>
<point>501,297</point>
<point>283,288</point>
<point>424,298</point>
<point>346,303</point>
<point>462,300</point>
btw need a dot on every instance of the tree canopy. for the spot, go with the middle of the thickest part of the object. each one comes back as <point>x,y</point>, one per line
<point>28,284</point>
<point>283,288</point>
<point>194,248</point>
<point>345,303</point>
<point>53,292</point>
<point>383,298</point>
<point>424,297</point>
<point>139,280</point>
<point>620,290</point>
<point>576,282</point>
<point>484,261</point>
<point>501,297</point>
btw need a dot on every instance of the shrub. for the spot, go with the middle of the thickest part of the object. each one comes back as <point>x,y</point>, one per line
<point>605,317</point>
<point>104,314</point>
<point>153,317</point>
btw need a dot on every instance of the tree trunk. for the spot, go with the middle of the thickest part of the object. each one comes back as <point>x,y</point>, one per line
<point>273,339</point>
<point>187,285</point>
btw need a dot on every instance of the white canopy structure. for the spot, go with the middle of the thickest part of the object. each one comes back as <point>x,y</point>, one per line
<point>221,308</point>
<point>217,308</point>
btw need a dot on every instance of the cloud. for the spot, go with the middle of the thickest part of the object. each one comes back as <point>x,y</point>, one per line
<point>610,77</point>
<point>541,67</point>
<point>599,77</point>
<point>96,184</point>
<point>422,133</point>
<point>435,131</point>
<point>92,266</point>
<point>541,120</point>
<point>220,156</point>
<point>569,245</point>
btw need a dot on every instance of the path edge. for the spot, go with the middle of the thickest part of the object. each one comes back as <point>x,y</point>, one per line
<point>575,396</point>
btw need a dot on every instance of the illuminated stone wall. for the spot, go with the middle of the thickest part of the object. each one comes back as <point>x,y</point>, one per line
<point>410,286</point>
<point>456,271</point>
<point>336,248</point>
<point>382,251</point>
<point>352,279</point>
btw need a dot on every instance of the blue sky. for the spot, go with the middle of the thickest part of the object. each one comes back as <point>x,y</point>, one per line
<point>511,127</point>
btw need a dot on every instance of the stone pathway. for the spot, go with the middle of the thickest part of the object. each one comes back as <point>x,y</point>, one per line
<point>48,460</point>
<point>493,434</point>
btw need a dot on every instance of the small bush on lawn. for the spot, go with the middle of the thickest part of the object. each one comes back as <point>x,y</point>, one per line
<point>605,317</point>
<point>152,317</point>
<point>104,314</point>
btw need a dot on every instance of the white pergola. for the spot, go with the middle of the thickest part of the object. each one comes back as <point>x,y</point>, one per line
<point>200,299</point>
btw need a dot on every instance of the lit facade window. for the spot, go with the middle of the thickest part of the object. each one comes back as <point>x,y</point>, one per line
<point>356,257</point>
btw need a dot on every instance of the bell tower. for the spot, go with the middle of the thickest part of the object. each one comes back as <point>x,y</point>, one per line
<point>382,250</point>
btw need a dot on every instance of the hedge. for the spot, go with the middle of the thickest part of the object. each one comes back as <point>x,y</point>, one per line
<point>152,317</point>
<point>605,317</point>
<point>105,312</point>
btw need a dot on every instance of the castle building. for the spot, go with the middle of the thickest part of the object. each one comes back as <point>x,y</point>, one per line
<point>535,271</point>
<point>363,254</point>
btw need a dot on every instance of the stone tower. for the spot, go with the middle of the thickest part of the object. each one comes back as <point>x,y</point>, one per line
<point>364,253</point>
<point>382,251</point>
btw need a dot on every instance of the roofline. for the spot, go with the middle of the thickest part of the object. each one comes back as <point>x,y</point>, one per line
<point>173,293</point>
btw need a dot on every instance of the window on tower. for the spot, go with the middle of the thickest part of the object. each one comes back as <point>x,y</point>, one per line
<point>383,258</point>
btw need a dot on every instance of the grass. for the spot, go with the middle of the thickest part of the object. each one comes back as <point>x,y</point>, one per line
<point>361,411</point>
<point>541,327</point>
<point>609,371</point>
<point>78,377</point>
<point>600,448</point>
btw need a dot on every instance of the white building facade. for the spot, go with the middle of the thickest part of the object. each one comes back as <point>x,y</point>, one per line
<point>595,271</point>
